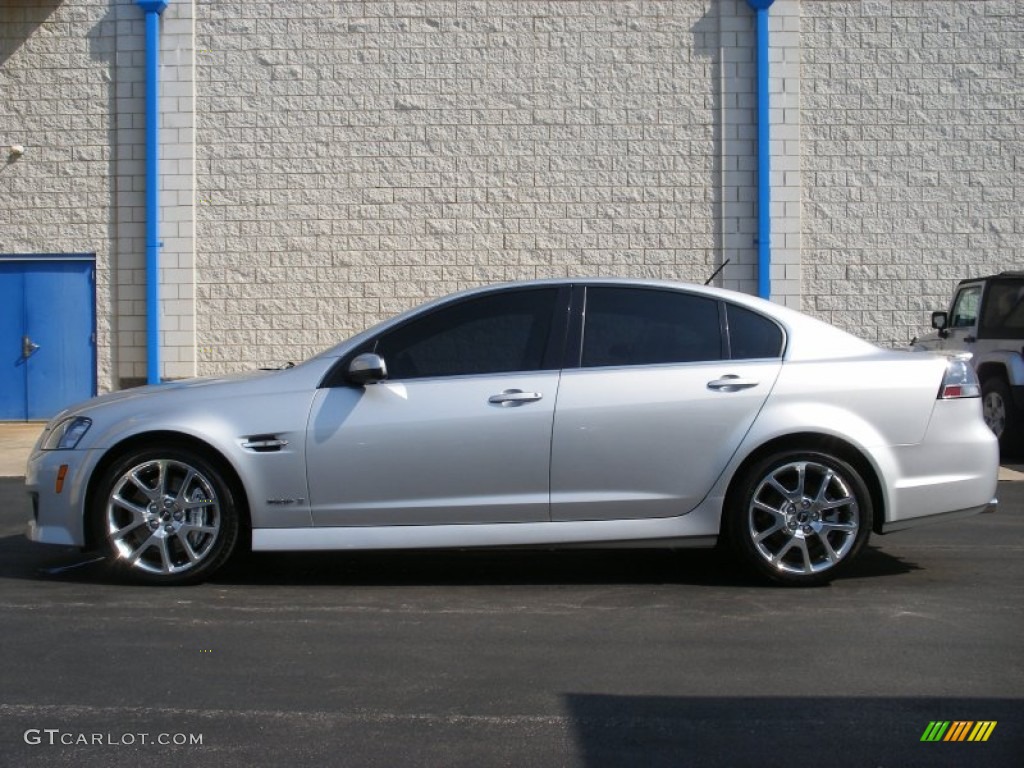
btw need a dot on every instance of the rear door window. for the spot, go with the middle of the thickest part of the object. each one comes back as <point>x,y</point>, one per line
<point>638,326</point>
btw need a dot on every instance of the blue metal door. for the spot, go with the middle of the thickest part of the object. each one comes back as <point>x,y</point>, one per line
<point>47,339</point>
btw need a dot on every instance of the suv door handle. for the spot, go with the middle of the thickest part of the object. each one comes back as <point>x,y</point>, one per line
<point>732,383</point>
<point>513,397</point>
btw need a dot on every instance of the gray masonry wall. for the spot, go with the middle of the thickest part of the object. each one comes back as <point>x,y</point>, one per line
<point>62,74</point>
<point>913,156</point>
<point>72,85</point>
<point>326,164</point>
<point>355,158</point>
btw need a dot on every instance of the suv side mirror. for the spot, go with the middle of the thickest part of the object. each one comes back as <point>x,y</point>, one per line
<point>940,320</point>
<point>367,368</point>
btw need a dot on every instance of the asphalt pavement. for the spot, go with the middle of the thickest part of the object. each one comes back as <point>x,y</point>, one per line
<point>634,657</point>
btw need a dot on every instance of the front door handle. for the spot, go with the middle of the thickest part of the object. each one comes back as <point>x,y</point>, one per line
<point>514,397</point>
<point>732,383</point>
<point>28,346</point>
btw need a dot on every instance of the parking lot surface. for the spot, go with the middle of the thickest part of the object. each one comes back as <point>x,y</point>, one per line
<point>575,658</point>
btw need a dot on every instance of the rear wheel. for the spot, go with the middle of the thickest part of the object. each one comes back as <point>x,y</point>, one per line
<point>166,516</point>
<point>798,518</point>
<point>999,411</point>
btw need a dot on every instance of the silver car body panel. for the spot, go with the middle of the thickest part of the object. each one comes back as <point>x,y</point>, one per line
<point>432,451</point>
<point>623,437</point>
<point>316,490</point>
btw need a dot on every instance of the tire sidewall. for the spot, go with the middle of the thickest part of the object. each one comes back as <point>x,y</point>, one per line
<point>227,535</point>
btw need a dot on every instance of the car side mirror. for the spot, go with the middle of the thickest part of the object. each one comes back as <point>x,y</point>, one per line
<point>367,368</point>
<point>939,322</point>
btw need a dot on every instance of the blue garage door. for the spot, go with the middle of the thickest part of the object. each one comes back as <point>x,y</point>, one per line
<point>47,334</point>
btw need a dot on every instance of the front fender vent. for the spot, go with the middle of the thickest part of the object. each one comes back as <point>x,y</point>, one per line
<point>264,443</point>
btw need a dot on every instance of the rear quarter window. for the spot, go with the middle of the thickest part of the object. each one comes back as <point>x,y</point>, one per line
<point>752,335</point>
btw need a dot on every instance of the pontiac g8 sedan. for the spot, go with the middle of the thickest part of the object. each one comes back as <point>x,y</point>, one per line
<point>575,412</point>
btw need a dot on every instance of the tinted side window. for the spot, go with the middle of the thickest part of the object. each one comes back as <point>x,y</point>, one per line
<point>636,326</point>
<point>752,335</point>
<point>502,332</point>
<point>1003,317</point>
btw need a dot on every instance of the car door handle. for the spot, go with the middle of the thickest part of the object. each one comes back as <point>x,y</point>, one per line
<point>513,397</point>
<point>732,383</point>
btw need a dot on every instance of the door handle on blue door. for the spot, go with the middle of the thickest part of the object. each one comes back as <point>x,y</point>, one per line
<point>28,346</point>
<point>732,383</point>
<point>514,397</point>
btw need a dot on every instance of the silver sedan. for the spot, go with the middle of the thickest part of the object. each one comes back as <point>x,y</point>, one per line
<point>573,412</point>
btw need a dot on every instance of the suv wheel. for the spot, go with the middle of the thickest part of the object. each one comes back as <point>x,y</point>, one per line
<point>999,411</point>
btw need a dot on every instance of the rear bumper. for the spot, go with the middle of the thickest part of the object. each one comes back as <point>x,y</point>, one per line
<point>914,522</point>
<point>952,472</point>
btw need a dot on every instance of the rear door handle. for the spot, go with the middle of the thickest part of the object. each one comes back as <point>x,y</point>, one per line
<point>732,383</point>
<point>514,397</point>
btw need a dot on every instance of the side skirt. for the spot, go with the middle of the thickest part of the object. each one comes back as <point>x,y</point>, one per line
<point>697,529</point>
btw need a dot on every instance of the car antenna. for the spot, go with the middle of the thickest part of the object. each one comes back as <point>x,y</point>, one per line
<point>715,273</point>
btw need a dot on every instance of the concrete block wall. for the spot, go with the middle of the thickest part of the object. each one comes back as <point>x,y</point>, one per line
<point>355,158</point>
<point>786,177</point>
<point>177,190</point>
<point>59,99</point>
<point>912,142</point>
<point>326,164</point>
<point>72,79</point>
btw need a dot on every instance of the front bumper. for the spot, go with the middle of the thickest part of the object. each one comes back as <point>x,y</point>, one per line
<point>58,517</point>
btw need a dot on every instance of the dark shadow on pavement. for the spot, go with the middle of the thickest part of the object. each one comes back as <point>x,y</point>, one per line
<point>766,731</point>
<point>22,559</point>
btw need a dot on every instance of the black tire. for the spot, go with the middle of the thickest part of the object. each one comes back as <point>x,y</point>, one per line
<point>797,518</point>
<point>1000,412</point>
<point>165,516</point>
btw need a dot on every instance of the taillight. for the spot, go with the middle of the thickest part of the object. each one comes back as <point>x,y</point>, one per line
<point>960,380</point>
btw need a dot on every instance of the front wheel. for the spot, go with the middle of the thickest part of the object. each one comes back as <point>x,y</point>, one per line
<point>798,518</point>
<point>165,516</point>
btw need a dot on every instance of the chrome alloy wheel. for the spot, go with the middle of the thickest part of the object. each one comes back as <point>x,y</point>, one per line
<point>803,518</point>
<point>163,517</point>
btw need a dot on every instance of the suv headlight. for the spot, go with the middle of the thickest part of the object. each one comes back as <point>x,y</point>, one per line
<point>67,434</point>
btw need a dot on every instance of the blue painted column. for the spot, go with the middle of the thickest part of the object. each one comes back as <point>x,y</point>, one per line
<point>152,9</point>
<point>764,165</point>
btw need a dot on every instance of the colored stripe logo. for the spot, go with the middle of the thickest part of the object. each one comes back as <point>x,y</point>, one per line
<point>958,730</point>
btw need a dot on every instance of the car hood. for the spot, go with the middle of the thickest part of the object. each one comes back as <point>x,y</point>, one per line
<point>160,390</point>
<point>926,341</point>
<point>155,397</point>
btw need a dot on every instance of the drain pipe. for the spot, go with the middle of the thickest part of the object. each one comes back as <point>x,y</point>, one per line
<point>764,189</point>
<point>152,9</point>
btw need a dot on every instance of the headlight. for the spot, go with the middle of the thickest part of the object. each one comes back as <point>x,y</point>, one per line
<point>67,434</point>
